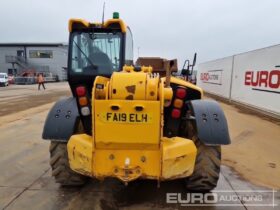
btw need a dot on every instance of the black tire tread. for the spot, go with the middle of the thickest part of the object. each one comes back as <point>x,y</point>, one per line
<point>207,168</point>
<point>60,166</point>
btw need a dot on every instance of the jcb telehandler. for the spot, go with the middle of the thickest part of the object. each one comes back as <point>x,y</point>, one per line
<point>127,122</point>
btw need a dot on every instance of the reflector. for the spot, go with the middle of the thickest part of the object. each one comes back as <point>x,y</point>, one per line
<point>178,103</point>
<point>83,101</point>
<point>85,111</point>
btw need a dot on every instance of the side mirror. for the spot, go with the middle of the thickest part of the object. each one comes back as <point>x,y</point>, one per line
<point>189,70</point>
<point>188,67</point>
<point>193,64</point>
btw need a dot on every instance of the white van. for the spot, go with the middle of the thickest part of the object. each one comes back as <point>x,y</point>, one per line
<point>4,79</point>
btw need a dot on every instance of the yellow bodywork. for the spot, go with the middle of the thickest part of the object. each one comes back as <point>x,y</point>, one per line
<point>124,123</point>
<point>186,84</point>
<point>173,159</point>
<point>80,23</point>
<point>127,140</point>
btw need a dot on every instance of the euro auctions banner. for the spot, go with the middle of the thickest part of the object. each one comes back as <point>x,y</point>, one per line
<point>251,78</point>
<point>256,79</point>
<point>264,80</point>
<point>214,76</point>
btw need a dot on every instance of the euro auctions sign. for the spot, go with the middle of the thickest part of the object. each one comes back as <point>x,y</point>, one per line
<point>267,81</point>
<point>212,77</point>
<point>251,78</point>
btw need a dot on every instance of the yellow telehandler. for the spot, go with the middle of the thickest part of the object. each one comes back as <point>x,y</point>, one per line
<point>127,122</point>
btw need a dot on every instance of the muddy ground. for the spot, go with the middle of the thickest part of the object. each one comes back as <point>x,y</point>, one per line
<point>25,176</point>
<point>15,98</point>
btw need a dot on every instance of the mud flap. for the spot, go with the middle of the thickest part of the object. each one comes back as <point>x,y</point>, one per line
<point>210,121</point>
<point>62,120</point>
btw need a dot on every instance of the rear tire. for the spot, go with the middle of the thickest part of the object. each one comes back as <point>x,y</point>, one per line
<point>60,166</point>
<point>207,167</point>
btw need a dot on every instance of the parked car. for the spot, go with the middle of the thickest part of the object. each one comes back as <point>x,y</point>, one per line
<point>4,79</point>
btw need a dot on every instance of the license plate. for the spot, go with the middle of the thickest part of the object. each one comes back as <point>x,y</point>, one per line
<point>114,117</point>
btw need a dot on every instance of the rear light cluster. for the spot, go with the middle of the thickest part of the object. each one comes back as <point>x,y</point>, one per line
<point>178,102</point>
<point>81,91</point>
<point>83,100</point>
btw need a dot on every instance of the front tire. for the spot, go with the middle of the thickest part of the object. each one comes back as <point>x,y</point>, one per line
<point>60,166</point>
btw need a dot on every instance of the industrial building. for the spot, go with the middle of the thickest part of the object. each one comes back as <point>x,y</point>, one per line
<point>19,59</point>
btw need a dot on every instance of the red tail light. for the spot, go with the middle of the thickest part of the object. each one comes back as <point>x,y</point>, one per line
<point>81,91</point>
<point>181,93</point>
<point>176,113</point>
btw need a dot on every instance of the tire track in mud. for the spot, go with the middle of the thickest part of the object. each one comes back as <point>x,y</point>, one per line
<point>15,105</point>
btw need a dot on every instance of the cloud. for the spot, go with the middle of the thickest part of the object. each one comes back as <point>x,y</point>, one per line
<point>172,29</point>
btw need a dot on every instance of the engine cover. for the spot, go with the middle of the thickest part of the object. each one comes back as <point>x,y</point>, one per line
<point>134,86</point>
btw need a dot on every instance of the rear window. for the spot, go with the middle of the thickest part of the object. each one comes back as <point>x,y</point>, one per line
<point>1,76</point>
<point>96,53</point>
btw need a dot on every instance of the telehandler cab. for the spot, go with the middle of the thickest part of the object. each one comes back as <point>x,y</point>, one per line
<point>127,122</point>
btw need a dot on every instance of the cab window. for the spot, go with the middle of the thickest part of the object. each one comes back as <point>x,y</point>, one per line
<point>95,53</point>
<point>128,47</point>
